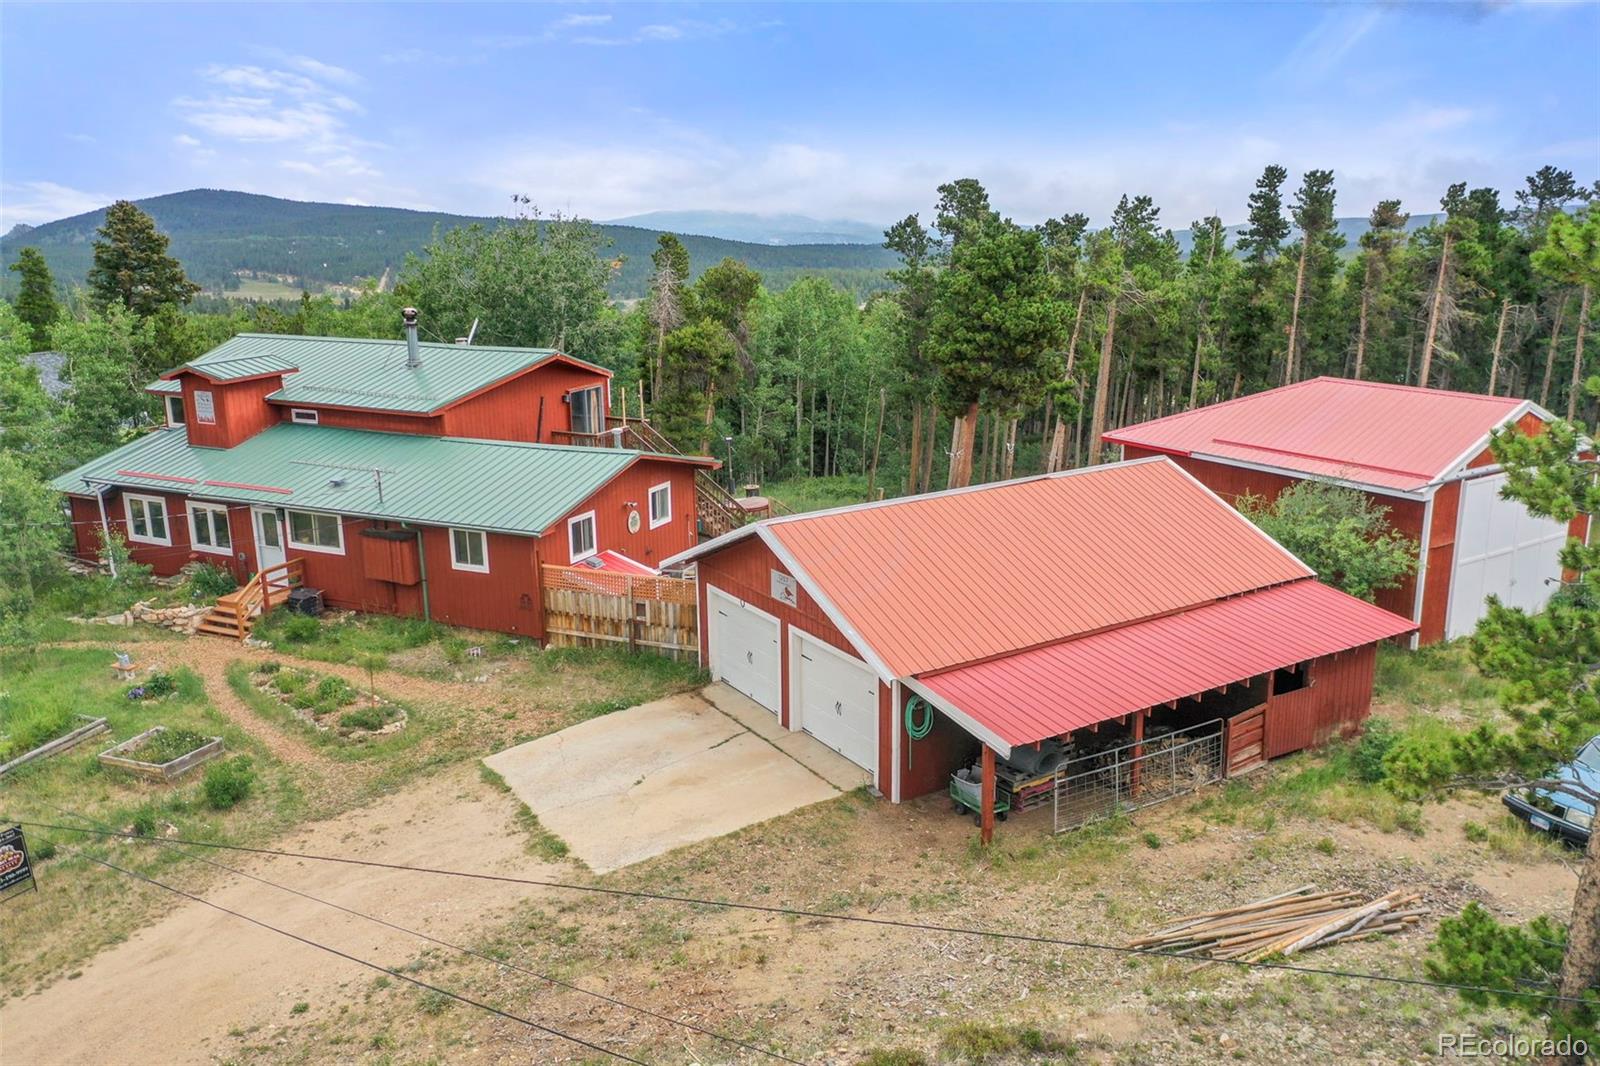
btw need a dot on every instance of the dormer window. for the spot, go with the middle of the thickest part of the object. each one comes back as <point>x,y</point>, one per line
<point>205,409</point>
<point>175,415</point>
<point>303,415</point>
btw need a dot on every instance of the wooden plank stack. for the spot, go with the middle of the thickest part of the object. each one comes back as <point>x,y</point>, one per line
<point>1285,924</point>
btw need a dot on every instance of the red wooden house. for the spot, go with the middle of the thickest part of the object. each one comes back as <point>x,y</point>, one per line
<point>396,476</point>
<point>1421,453</point>
<point>1032,612</point>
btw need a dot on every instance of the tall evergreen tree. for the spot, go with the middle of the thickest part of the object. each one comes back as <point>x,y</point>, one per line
<point>1254,322</point>
<point>1458,258</point>
<point>1386,229</point>
<point>668,281</point>
<point>1313,214</point>
<point>916,381</point>
<point>131,264</point>
<point>1571,255</point>
<point>36,301</point>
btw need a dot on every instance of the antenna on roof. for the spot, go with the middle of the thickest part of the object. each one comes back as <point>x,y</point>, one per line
<point>377,473</point>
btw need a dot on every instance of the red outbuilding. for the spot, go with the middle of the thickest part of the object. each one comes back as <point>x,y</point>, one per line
<point>1421,453</point>
<point>1028,615</point>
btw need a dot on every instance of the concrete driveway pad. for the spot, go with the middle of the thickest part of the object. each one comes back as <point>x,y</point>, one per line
<point>636,783</point>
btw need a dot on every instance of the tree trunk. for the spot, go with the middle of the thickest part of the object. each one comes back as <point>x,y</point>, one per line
<point>914,463</point>
<point>963,436</point>
<point>1361,329</point>
<point>1577,357</point>
<point>1580,965</point>
<point>1049,430</point>
<point>799,410</point>
<point>1097,425</point>
<point>928,446</point>
<point>711,416</point>
<point>1200,331</point>
<point>1550,353</point>
<point>1435,312</point>
<point>1499,339</point>
<point>1289,367</point>
<point>877,442</point>
<point>1009,456</point>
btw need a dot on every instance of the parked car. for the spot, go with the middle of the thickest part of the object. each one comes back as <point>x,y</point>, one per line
<point>1558,811</point>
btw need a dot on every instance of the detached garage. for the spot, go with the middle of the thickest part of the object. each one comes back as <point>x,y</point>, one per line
<point>1006,630</point>
<point>1421,453</point>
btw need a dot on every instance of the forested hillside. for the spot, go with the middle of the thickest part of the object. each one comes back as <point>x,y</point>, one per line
<point>216,232</point>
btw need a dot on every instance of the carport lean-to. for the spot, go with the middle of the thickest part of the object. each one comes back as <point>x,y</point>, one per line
<point>1065,619</point>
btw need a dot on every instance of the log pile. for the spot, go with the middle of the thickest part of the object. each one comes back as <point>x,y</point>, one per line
<point>1285,924</point>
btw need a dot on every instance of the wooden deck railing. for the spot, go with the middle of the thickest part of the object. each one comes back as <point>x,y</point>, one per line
<point>268,588</point>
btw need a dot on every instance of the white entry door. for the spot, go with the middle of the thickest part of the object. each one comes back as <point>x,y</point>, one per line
<point>269,536</point>
<point>744,648</point>
<point>835,699</point>
<point>1501,550</point>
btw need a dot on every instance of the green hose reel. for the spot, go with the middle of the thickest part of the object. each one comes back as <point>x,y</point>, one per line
<point>915,729</point>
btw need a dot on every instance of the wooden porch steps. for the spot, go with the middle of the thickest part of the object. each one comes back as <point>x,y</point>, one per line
<point>235,613</point>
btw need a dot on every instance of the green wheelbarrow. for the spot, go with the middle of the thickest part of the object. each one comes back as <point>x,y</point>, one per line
<point>968,796</point>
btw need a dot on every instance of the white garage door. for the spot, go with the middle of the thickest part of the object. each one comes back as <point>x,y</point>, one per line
<point>835,699</point>
<point>744,648</point>
<point>1501,550</point>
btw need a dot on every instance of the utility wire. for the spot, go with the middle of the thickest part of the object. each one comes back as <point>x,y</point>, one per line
<point>794,912</point>
<point>372,965</point>
<point>475,954</point>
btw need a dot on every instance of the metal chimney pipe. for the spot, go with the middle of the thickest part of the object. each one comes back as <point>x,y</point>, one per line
<point>413,352</point>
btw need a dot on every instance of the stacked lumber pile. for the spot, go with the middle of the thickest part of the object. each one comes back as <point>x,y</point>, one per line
<point>1285,924</point>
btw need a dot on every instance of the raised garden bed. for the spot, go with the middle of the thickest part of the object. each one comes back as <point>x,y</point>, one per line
<point>160,754</point>
<point>85,728</point>
<point>329,704</point>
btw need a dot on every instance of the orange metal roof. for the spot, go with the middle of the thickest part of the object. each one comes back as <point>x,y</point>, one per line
<point>934,581</point>
<point>1053,690</point>
<point>1363,432</point>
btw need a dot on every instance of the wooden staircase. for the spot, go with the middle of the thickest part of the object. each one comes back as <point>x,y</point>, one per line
<point>235,614</point>
<point>716,508</point>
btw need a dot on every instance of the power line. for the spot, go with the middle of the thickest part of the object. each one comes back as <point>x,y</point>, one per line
<point>372,965</point>
<point>794,912</point>
<point>476,954</point>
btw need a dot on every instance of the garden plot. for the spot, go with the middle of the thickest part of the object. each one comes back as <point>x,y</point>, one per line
<point>327,703</point>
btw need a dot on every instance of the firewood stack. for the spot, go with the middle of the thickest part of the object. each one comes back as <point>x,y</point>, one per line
<point>1286,924</point>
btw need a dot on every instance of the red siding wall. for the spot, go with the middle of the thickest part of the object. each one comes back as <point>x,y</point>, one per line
<point>630,491</point>
<point>510,411</point>
<point>377,421</point>
<point>241,409</point>
<point>926,764</point>
<point>164,560</point>
<point>1334,703</point>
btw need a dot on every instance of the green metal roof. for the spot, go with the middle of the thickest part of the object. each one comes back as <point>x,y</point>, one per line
<point>354,372</point>
<point>501,486</point>
<point>167,386</point>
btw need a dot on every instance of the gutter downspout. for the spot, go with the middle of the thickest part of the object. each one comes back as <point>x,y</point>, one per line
<point>422,568</point>
<point>105,529</point>
<point>1422,568</point>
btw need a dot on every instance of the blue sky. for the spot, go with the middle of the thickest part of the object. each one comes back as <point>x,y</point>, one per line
<point>837,111</point>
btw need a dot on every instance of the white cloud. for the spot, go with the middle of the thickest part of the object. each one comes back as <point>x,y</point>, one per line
<point>36,202</point>
<point>1320,51</point>
<point>324,71</point>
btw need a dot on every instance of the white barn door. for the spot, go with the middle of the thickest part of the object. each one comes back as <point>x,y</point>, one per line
<point>744,648</point>
<point>835,698</point>
<point>1501,550</point>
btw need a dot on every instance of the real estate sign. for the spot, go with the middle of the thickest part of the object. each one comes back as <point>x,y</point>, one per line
<point>15,868</point>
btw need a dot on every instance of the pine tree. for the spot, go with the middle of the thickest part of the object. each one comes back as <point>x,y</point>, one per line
<point>131,264</point>
<point>668,299</point>
<point>1571,255</point>
<point>36,302</point>
<point>1255,317</point>
<point>1386,228</point>
<point>1313,213</point>
<point>1460,256</point>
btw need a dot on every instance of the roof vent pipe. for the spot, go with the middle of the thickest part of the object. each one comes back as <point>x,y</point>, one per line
<point>413,352</point>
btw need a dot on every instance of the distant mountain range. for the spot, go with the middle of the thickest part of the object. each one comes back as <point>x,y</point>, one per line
<point>217,233</point>
<point>758,229</point>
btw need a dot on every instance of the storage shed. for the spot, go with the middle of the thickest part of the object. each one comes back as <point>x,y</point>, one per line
<point>1421,453</point>
<point>1029,613</point>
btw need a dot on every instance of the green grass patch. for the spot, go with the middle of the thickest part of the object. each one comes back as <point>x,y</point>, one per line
<point>541,842</point>
<point>979,1042</point>
<point>1438,676</point>
<point>276,692</point>
<point>349,638</point>
<point>821,493</point>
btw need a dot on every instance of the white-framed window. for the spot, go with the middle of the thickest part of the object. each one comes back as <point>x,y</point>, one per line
<point>175,415</point>
<point>580,537</point>
<point>316,531</point>
<point>303,415</point>
<point>587,415</point>
<point>208,528</point>
<point>205,407</point>
<point>469,550</point>
<point>660,504</point>
<point>147,519</point>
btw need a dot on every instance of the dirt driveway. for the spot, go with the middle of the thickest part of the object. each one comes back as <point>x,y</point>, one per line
<point>637,783</point>
<point>171,992</point>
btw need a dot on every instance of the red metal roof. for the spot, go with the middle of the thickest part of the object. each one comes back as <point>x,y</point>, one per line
<point>1364,432</point>
<point>1052,690</point>
<point>934,581</point>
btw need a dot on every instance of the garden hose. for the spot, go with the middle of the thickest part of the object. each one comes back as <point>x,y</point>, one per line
<point>914,729</point>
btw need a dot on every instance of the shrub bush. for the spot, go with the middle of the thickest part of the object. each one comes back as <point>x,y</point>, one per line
<point>158,685</point>
<point>25,727</point>
<point>364,718</point>
<point>143,823</point>
<point>335,690</point>
<point>299,629</point>
<point>271,666</point>
<point>1377,739</point>
<point>228,782</point>
<point>208,581</point>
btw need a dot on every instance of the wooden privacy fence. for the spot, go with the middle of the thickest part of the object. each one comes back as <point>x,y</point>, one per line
<point>586,608</point>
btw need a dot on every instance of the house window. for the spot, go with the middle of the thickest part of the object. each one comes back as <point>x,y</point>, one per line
<point>205,409</point>
<point>175,416</point>
<point>661,504</point>
<point>147,519</point>
<point>303,415</point>
<point>208,528</point>
<point>316,532</point>
<point>586,414</point>
<point>469,550</point>
<point>1290,679</point>
<point>580,537</point>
